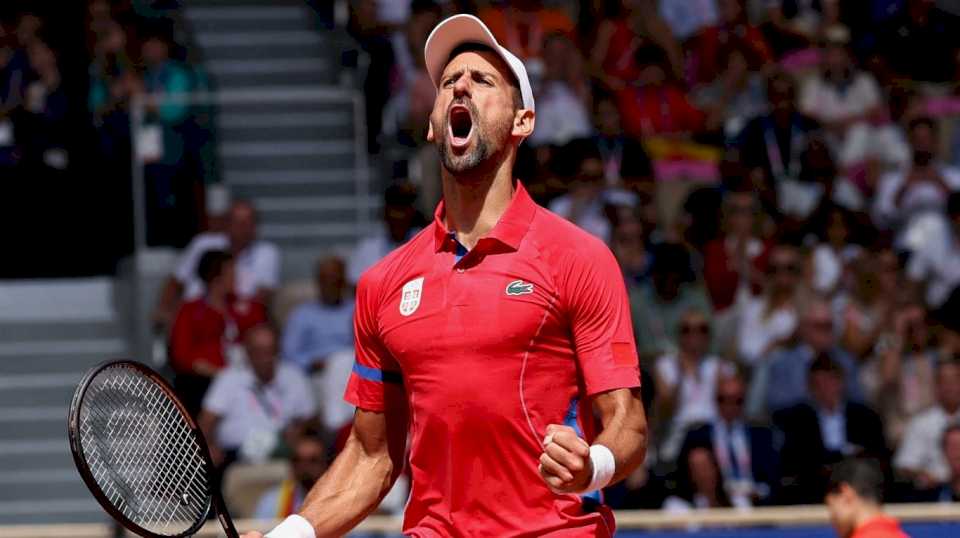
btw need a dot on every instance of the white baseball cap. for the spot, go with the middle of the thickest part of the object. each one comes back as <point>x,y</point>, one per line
<point>460,29</point>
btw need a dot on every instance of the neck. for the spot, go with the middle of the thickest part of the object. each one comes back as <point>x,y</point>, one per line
<point>217,299</point>
<point>473,206</point>
<point>868,512</point>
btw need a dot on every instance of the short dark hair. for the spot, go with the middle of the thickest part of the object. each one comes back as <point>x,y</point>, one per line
<point>863,475</point>
<point>922,121</point>
<point>480,47</point>
<point>211,264</point>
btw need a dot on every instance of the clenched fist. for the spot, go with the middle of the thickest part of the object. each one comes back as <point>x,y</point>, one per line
<point>565,463</point>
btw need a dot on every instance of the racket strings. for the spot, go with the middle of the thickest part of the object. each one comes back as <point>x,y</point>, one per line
<point>142,452</point>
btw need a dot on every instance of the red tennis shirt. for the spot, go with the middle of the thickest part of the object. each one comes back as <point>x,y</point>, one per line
<point>486,350</point>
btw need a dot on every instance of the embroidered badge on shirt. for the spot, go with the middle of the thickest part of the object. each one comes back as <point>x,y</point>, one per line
<point>410,297</point>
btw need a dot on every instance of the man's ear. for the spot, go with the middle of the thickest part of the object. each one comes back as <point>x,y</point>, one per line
<point>523,122</point>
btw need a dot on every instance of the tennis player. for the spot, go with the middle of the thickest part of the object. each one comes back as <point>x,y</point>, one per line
<point>497,339</point>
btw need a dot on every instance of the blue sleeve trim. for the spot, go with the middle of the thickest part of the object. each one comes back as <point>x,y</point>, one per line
<point>377,375</point>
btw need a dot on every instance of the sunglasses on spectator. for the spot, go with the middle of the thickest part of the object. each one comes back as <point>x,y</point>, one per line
<point>736,400</point>
<point>690,328</point>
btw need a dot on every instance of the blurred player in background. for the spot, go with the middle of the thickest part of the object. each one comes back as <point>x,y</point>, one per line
<point>497,334</point>
<point>853,499</point>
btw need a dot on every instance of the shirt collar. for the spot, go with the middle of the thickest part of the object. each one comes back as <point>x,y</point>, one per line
<point>509,230</point>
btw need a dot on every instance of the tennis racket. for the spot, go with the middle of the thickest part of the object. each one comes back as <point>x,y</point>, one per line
<point>141,454</point>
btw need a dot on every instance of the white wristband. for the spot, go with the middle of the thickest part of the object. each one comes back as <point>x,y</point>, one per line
<point>293,527</point>
<point>604,466</point>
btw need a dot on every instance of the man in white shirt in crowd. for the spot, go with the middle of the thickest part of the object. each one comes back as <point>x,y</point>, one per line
<point>399,225</point>
<point>934,263</point>
<point>920,456</point>
<point>318,328</point>
<point>249,410</point>
<point>921,187</point>
<point>257,264</point>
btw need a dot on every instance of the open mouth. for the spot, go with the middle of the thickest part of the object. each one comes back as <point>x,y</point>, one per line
<point>461,125</point>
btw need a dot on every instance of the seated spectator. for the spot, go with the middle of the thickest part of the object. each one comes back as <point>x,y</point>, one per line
<point>253,411</point>
<point>836,249</point>
<point>656,103</point>
<point>871,303</point>
<point>686,380</point>
<point>933,266</point>
<point>733,30</point>
<point>399,225</point>
<point>257,263</point>
<point>773,144</point>
<point>205,327</point>
<point>854,494</point>
<point>658,306</point>
<point>317,329</point>
<point>632,26</point>
<point>44,128</point>
<point>824,430</point>
<point>736,95</point>
<point>730,261</point>
<point>949,491</point>
<point>919,188</point>
<point>796,24</point>
<point>520,26</point>
<point>919,31</point>
<point>562,95</point>
<point>624,159</point>
<point>628,244</point>
<point>920,455</point>
<point>788,368</point>
<point>902,374</point>
<point>746,454</point>
<point>699,484</point>
<point>307,463</point>
<point>768,321</point>
<point>588,201</point>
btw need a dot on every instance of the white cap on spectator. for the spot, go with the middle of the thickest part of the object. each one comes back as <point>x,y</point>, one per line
<point>460,29</point>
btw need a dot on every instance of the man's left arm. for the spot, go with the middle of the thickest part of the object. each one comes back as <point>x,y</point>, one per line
<point>569,465</point>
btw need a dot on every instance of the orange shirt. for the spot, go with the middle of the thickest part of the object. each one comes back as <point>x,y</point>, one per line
<point>523,33</point>
<point>882,526</point>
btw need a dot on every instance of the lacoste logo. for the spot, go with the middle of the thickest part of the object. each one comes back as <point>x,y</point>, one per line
<point>519,287</point>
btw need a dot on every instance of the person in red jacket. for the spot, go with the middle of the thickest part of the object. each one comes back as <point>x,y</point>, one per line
<point>853,499</point>
<point>205,327</point>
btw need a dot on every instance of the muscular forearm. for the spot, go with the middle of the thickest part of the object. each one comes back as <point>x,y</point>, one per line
<point>350,489</point>
<point>624,430</point>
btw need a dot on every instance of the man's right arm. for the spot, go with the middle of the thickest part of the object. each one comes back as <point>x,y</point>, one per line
<point>361,475</point>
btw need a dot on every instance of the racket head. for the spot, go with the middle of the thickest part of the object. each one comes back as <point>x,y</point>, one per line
<point>139,452</point>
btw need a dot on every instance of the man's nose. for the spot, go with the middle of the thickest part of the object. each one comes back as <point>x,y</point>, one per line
<point>461,88</point>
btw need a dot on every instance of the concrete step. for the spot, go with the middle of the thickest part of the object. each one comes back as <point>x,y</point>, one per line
<point>281,99</point>
<point>18,392</point>
<point>53,452</point>
<point>237,119</point>
<point>319,75</point>
<point>52,510</point>
<point>63,363</point>
<point>58,330</point>
<point>338,188</point>
<point>257,50</point>
<point>280,133</point>
<point>276,23</point>
<point>38,484</point>
<point>19,420</point>
<point>270,163</point>
<point>212,41</point>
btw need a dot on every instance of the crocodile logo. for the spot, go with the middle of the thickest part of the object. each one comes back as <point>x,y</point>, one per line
<point>519,287</point>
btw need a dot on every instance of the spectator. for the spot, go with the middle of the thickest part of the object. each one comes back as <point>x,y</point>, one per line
<point>835,251</point>
<point>588,202</point>
<point>624,159</point>
<point>949,492</point>
<point>319,328</point>
<point>170,210</point>
<point>747,455</point>
<point>796,24</point>
<point>658,306</point>
<point>824,430</point>
<point>789,382</point>
<point>562,95</point>
<point>730,260</point>
<point>252,412</point>
<point>845,100</point>
<point>903,371</point>
<point>206,327</point>
<point>732,33</point>
<point>920,455</point>
<point>257,261</point>
<point>854,494</point>
<point>685,19</point>
<point>632,26</point>
<point>686,381</point>
<point>933,266</point>
<point>520,27</point>
<point>699,484</point>
<point>921,187</point>
<point>656,103</point>
<point>871,304</point>
<point>734,96</point>
<point>769,321</point>
<point>772,145</point>
<point>920,30</point>
<point>307,463</point>
<point>628,243</point>
<point>44,128</point>
<point>399,219</point>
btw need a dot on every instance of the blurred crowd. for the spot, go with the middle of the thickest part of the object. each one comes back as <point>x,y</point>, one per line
<point>777,181</point>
